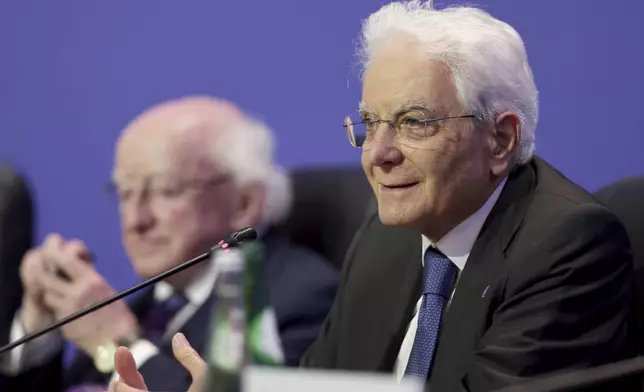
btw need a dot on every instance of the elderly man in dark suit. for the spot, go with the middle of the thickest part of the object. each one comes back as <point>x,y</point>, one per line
<point>484,267</point>
<point>487,267</point>
<point>187,173</point>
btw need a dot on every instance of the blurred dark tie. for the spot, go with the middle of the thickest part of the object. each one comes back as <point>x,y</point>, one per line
<point>155,322</point>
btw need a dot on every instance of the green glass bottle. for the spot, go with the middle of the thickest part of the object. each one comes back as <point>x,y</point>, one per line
<point>227,354</point>
<point>244,327</point>
<point>262,336</point>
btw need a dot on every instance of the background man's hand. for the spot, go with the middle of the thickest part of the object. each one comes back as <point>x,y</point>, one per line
<point>34,312</point>
<point>84,287</point>
<point>130,380</point>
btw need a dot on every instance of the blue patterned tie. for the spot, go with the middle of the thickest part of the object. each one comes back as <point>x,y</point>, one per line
<point>438,278</point>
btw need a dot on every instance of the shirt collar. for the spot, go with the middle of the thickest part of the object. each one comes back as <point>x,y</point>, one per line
<point>458,242</point>
<point>196,292</point>
<point>200,288</point>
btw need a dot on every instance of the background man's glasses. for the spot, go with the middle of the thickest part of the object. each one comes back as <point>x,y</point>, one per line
<point>161,191</point>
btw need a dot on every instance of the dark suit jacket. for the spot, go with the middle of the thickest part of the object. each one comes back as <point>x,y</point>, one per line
<point>626,199</point>
<point>547,287</point>
<point>302,286</point>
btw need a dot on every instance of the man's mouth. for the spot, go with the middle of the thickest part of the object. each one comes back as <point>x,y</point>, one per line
<point>400,186</point>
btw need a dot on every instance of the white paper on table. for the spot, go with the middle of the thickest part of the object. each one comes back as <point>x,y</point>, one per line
<point>276,379</point>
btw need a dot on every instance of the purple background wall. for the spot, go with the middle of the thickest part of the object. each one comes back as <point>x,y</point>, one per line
<point>73,73</point>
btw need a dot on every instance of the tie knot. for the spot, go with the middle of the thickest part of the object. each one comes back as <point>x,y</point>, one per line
<point>159,316</point>
<point>438,273</point>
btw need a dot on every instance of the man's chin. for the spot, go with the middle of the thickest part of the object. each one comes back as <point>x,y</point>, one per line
<point>391,215</point>
<point>149,265</point>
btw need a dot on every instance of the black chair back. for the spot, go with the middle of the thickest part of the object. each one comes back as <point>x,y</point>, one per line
<point>16,236</point>
<point>329,204</point>
<point>626,199</point>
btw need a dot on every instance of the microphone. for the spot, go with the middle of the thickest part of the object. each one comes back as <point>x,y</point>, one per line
<point>247,234</point>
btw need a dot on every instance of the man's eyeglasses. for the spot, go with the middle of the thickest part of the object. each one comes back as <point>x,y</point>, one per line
<point>161,190</point>
<point>411,128</point>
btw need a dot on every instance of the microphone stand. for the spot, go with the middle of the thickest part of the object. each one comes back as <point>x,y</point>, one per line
<point>233,240</point>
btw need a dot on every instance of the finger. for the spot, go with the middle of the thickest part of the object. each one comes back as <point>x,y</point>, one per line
<point>125,366</point>
<point>72,266</point>
<point>33,260</point>
<point>53,241</point>
<point>32,264</point>
<point>55,285</point>
<point>120,386</point>
<point>57,303</point>
<point>198,385</point>
<point>188,357</point>
<point>77,248</point>
<point>30,255</point>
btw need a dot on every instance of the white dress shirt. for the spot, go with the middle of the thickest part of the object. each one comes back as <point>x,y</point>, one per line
<point>41,350</point>
<point>456,245</point>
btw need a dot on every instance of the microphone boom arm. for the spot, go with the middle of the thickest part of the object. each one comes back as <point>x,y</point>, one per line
<point>233,240</point>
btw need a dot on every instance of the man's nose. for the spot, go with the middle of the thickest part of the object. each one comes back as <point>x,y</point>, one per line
<point>383,148</point>
<point>137,215</point>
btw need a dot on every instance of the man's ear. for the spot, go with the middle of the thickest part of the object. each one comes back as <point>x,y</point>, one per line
<point>250,205</point>
<point>504,141</point>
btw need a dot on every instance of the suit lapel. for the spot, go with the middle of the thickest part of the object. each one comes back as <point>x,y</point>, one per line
<point>387,269</point>
<point>488,252</point>
<point>482,273</point>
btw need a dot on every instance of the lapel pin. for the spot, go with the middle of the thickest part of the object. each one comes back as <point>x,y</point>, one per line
<point>485,291</point>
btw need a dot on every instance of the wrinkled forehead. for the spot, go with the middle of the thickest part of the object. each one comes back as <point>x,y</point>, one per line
<point>402,78</point>
<point>175,150</point>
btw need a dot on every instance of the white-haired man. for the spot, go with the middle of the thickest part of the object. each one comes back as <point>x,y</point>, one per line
<point>486,267</point>
<point>187,173</point>
<point>492,268</point>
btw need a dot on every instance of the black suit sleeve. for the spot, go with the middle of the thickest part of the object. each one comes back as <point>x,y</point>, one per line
<point>163,372</point>
<point>46,377</point>
<point>566,302</point>
<point>322,354</point>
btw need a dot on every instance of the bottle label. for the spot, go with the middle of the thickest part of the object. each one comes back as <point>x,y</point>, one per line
<point>228,350</point>
<point>264,338</point>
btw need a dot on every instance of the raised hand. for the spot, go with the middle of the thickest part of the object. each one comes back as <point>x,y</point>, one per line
<point>130,380</point>
<point>73,284</point>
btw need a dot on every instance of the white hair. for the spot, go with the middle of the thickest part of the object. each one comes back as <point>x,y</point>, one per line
<point>486,58</point>
<point>245,149</point>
